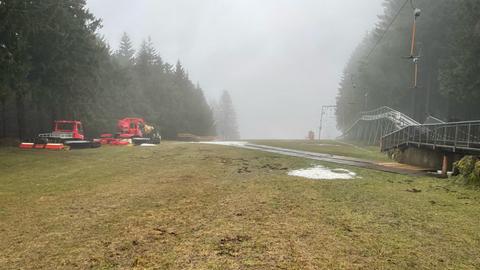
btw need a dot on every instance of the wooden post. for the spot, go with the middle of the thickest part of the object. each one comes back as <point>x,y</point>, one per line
<point>445,164</point>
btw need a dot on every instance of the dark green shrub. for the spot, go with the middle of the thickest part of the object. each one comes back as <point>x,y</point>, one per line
<point>468,169</point>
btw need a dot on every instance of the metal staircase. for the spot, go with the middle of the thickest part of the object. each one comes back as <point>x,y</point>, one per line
<point>455,137</point>
<point>371,126</point>
<point>393,129</point>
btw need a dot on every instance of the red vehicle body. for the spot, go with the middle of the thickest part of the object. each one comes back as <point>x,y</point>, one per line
<point>65,133</point>
<point>131,131</point>
<point>131,127</point>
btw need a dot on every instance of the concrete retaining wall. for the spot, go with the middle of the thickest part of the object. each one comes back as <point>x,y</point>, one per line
<point>425,158</point>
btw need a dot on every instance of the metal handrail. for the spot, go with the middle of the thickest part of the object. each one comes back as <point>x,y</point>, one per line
<point>463,135</point>
<point>59,135</point>
<point>400,120</point>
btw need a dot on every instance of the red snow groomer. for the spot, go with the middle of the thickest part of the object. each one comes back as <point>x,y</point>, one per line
<point>66,134</point>
<point>131,131</point>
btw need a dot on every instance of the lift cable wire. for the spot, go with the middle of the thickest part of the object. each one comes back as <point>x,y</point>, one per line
<point>388,27</point>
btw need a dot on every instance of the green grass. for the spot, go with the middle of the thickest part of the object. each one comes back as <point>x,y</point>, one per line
<point>193,206</point>
<point>329,147</point>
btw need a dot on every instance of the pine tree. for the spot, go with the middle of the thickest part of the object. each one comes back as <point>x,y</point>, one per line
<point>125,54</point>
<point>4,93</point>
<point>147,55</point>
<point>179,71</point>
<point>459,71</point>
<point>226,119</point>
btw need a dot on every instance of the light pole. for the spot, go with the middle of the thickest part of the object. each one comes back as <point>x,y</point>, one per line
<point>365,103</point>
<point>415,58</point>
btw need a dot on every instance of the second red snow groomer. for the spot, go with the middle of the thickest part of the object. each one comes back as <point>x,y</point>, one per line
<point>132,131</point>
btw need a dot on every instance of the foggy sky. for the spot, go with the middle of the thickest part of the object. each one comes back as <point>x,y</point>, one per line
<point>280,59</point>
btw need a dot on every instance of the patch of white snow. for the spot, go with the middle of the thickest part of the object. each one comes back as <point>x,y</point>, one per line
<point>147,145</point>
<point>227,143</point>
<point>323,173</point>
<point>325,144</point>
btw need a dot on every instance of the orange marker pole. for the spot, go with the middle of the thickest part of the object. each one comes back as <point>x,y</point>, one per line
<point>414,30</point>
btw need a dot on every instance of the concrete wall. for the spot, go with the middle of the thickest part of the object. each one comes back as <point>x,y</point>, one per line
<point>425,158</point>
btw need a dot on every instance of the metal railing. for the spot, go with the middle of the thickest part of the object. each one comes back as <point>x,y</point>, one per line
<point>58,135</point>
<point>452,137</point>
<point>398,119</point>
<point>433,120</point>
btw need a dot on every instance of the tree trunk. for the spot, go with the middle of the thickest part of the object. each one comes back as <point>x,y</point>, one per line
<point>19,101</point>
<point>4,119</point>
<point>53,113</point>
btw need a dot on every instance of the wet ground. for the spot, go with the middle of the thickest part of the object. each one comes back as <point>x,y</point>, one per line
<point>392,167</point>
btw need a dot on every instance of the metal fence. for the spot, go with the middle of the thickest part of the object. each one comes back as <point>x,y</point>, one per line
<point>452,137</point>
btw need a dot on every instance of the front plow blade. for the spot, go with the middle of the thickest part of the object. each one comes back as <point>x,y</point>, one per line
<point>48,146</point>
<point>82,144</point>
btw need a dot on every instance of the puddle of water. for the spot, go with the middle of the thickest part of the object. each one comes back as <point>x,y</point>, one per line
<point>323,173</point>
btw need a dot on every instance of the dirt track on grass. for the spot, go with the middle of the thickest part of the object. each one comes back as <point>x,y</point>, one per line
<point>391,167</point>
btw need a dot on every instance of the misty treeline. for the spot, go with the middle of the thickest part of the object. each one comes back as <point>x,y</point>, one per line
<point>54,66</point>
<point>448,38</point>
<point>225,117</point>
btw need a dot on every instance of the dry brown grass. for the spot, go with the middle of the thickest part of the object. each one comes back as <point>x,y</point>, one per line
<point>191,206</point>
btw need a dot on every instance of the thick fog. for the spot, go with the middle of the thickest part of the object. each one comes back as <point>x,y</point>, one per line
<point>280,59</point>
